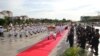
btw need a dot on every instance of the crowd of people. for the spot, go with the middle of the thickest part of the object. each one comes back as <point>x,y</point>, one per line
<point>24,31</point>
<point>86,36</point>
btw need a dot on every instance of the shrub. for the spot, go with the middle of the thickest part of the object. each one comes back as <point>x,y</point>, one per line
<point>74,51</point>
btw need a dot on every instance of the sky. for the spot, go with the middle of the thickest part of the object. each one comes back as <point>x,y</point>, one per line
<point>52,9</point>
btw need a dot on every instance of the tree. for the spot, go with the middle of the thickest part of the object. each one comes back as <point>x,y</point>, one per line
<point>2,22</point>
<point>68,21</point>
<point>63,20</point>
<point>7,20</point>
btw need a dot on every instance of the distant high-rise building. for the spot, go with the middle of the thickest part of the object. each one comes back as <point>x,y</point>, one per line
<point>7,13</point>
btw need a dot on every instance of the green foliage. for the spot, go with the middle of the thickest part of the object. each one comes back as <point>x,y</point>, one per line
<point>74,51</point>
<point>17,21</point>
<point>2,22</point>
<point>63,20</point>
<point>7,20</point>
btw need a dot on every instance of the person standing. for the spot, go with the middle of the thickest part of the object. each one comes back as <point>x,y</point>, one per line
<point>83,39</point>
<point>95,41</point>
<point>1,31</point>
<point>70,37</point>
<point>51,32</point>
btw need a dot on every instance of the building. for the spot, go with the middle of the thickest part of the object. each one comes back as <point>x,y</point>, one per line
<point>10,15</point>
<point>21,17</point>
<point>89,18</point>
<point>1,16</point>
<point>24,17</point>
<point>7,13</point>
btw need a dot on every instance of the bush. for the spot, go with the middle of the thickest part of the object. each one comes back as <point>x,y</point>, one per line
<point>2,22</point>
<point>74,51</point>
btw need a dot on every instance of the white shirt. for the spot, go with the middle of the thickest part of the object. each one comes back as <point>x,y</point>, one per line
<point>1,30</point>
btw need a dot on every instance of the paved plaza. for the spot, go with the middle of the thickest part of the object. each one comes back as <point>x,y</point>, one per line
<point>11,46</point>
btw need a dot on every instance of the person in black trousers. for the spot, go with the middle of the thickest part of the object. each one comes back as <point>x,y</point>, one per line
<point>70,37</point>
<point>95,41</point>
<point>83,39</point>
<point>1,31</point>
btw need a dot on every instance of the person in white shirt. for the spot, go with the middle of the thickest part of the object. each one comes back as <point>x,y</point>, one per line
<point>21,32</point>
<point>51,32</point>
<point>11,32</point>
<point>26,31</point>
<point>30,30</point>
<point>33,30</point>
<point>15,32</point>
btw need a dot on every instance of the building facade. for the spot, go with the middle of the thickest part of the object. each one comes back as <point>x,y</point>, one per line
<point>24,17</point>
<point>1,16</point>
<point>89,18</point>
<point>7,13</point>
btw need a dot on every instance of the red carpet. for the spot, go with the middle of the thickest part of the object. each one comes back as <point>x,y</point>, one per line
<point>43,48</point>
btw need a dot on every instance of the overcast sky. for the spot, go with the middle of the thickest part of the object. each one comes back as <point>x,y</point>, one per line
<point>69,9</point>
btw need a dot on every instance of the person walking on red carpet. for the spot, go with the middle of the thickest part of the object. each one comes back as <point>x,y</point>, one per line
<point>51,32</point>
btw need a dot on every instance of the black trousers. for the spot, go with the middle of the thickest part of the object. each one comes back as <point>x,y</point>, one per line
<point>1,34</point>
<point>95,47</point>
<point>82,45</point>
<point>71,42</point>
